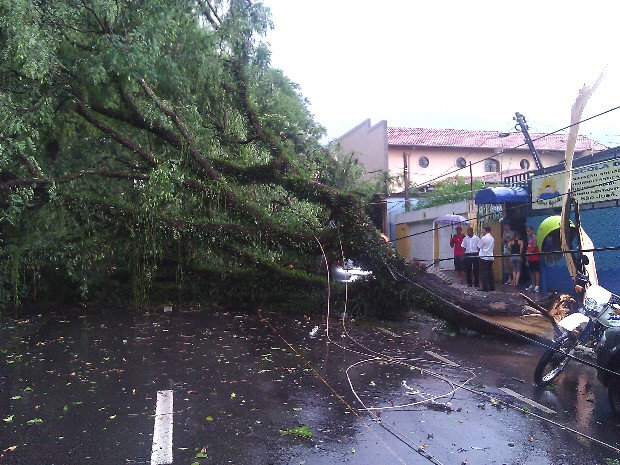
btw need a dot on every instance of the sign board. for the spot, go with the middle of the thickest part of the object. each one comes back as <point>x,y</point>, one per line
<point>598,182</point>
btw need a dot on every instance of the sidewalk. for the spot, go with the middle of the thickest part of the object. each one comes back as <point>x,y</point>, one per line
<point>451,276</point>
<point>531,326</point>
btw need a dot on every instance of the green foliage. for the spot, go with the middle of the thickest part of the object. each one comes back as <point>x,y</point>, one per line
<point>449,191</point>
<point>150,153</point>
<point>302,431</point>
<point>115,115</point>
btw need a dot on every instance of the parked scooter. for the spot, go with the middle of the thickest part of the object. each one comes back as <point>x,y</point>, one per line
<point>596,324</point>
<point>608,360</point>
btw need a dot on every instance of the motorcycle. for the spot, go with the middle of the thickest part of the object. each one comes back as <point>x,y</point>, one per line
<point>595,325</point>
<point>608,364</point>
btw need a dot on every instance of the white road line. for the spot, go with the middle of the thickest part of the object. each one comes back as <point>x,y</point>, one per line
<point>526,400</point>
<point>162,433</point>
<point>443,359</point>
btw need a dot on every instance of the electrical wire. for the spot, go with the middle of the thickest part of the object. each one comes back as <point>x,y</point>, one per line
<point>525,143</point>
<point>383,357</point>
<point>374,356</point>
<point>377,357</point>
<point>463,386</point>
<point>529,339</point>
<point>505,329</point>
<point>527,254</point>
<point>326,382</point>
<point>478,218</point>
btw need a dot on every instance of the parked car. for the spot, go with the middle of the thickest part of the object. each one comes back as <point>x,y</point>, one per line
<point>347,271</point>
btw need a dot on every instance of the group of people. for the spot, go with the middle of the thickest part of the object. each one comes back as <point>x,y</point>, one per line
<point>515,249</point>
<point>473,257</point>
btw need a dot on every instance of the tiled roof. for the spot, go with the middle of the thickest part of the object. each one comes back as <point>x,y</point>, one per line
<point>462,138</point>
<point>499,176</point>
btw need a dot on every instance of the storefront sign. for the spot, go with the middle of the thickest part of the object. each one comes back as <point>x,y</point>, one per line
<point>598,182</point>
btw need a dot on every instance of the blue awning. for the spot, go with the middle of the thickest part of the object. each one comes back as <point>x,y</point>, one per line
<point>502,195</point>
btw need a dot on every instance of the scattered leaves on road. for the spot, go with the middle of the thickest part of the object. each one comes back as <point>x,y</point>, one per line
<point>302,431</point>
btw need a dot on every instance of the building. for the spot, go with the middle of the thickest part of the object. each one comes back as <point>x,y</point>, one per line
<point>595,186</point>
<point>434,154</point>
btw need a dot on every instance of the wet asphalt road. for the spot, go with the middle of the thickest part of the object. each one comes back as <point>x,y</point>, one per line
<point>82,389</point>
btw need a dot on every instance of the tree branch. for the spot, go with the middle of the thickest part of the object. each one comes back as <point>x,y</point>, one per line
<point>32,169</point>
<point>20,182</point>
<point>138,121</point>
<point>213,174</point>
<point>209,11</point>
<point>135,148</point>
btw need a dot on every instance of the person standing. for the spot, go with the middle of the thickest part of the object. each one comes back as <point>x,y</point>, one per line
<point>485,247</point>
<point>507,235</point>
<point>456,242</point>
<point>470,244</point>
<point>533,260</point>
<point>517,247</point>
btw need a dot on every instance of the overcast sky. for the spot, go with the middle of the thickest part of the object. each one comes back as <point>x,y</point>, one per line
<point>451,64</point>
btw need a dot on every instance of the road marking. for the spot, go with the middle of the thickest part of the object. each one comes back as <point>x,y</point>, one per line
<point>526,400</point>
<point>443,359</point>
<point>162,433</point>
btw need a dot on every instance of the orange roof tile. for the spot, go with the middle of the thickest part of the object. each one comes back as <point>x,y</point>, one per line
<point>462,138</point>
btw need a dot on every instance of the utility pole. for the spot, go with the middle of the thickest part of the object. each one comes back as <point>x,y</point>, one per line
<point>471,182</point>
<point>406,175</point>
<point>522,126</point>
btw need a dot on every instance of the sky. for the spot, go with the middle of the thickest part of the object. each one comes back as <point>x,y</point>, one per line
<point>451,64</point>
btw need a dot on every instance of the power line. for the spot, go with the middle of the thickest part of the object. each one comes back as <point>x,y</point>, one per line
<point>524,143</point>
<point>527,254</point>
<point>515,207</point>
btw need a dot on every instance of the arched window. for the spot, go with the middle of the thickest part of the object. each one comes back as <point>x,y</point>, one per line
<point>460,162</point>
<point>525,164</point>
<point>491,165</point>
<point>423,162</point>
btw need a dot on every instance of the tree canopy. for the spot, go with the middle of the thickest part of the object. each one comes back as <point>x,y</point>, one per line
<point>149,151</point>
<point>449,191</point>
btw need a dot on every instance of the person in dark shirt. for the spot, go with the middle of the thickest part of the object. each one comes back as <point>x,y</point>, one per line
<point>517,247</point>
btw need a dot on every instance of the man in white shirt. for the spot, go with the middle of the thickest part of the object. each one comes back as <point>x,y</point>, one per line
<point>485,247</point>
<point>470,244</point>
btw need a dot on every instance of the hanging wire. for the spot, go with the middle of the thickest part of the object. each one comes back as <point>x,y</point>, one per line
<point>375,356</point>
<point>525,143</point>
<point>478,218</point>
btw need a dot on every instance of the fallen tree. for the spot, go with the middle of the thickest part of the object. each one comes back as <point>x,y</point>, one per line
<point>150,150</point>
<point>150,153</point>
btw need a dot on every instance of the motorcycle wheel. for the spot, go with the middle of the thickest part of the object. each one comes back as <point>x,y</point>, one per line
<point>554,359</point>
<point>613,392</point>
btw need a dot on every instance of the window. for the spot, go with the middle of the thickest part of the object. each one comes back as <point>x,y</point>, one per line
<point>525,164</point>
<point>423,162</point>
<point>460,162</point>
<point>491,165</point>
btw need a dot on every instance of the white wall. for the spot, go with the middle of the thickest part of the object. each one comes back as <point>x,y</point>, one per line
<point>422,240</point>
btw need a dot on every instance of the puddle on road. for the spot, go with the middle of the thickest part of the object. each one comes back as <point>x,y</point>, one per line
<point>84,389</point>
